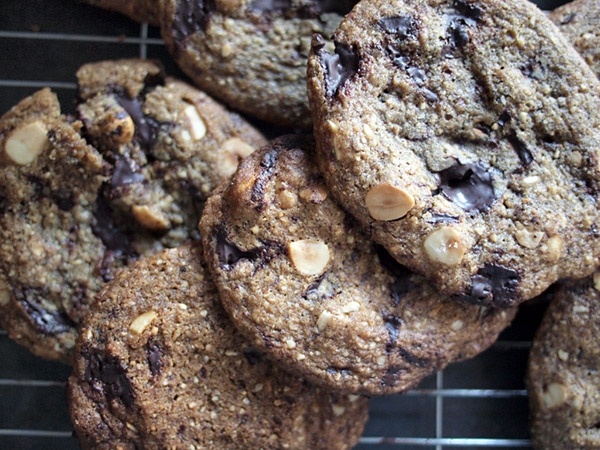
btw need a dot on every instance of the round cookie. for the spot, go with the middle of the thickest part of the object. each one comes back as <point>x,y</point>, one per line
<point>562,376</point>
<point>83,197</point>
<point>159,365</point>
<point>250,54</point>
<point>466,136</point>
<point>302,281</point>
<point>579,21</point>
<point>143,11</point>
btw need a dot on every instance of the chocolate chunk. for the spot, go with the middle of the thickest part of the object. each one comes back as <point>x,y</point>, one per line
<point>339,67</point>
<point>191,16</point>
<point>109,371</point>
<point>403,27</point>
<point>493,285</point>
<point>458,31</point>
<point>125,172</point>
<point>469,10</point>
<point>392,326</point>
<point>229,254</point>
<point>146,127</point>
<point>320,289</point>
<point>411,359</point>
<point>443,218</point>
<point>253,356</point>
<point>105,228</point>
<point>568,18</point>
<point>468,185</point>
<point>402,283</point>
<point>154,357</point>
<point>268,164</point>
<point>45,321</point>
<point>520,147</point>
<point>270,5</point>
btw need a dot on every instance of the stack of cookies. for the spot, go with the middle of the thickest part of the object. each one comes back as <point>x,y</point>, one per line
<point>430,166</point>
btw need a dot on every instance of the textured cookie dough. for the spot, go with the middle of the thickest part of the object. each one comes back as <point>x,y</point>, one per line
<point>302,281</point>
<point>81,197</point>
<point>159,365</point>
<point>563,377</point>
<point>250,54</point>
<point>579,21</point>
<point>466,136</point>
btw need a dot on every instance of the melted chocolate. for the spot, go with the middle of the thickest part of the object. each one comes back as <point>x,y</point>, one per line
<point>229,254</point>
<point>493,285</point>
<point>46,322</point>
<point>125,172</point>
<point>105,227</point>
<point>339,67</point>
<point>146,127</point>
<point>191,16</point>
<point>468,185</point>
<point>403,27</point>
<point>154,356</point>
<point>109,371</point>
<point>520,147</point>
<point>268,164</point>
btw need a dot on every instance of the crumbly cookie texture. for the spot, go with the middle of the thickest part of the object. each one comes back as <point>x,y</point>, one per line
<point>579,21</point>
<point>562,376</point>
<point>159,365</point>
<point>302,281</point>
<point>84,196</point>
<point>465,136</point>
<point>250,54</point>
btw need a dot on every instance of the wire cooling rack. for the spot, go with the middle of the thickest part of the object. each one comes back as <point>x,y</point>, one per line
<point>476,404</point>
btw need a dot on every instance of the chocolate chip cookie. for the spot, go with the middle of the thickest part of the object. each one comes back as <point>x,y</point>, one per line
<point>159,365</point>
<point>466,136</point>
<point>83,196</point>
<point>303,282</point>
<point>250,54</point>
<point>562,376</point>
<point>143,11</point>
<point>579,21</point>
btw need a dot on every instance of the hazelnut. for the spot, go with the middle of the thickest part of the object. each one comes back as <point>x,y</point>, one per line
<point>444,245</point>
<point>286,199</point>
<point>323,320</point>
<point>309,256</point>
<point>196,124</point>
<point>388,202</point>
<point>554,395</point>
<point>26,143</point>
<point>119,126</point>
<point>141,322</point>
<point>150,218</point>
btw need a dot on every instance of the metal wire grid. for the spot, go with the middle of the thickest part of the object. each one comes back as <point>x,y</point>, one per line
<point>481,403</point>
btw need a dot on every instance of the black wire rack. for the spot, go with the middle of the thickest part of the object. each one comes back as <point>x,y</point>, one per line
<point>476,404</point>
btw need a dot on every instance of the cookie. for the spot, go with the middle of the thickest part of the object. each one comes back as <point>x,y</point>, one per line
<point>465,135</point>
<point>83,196</point>
<point>578,20</point>
<point>305,285</point>
<point>250,54</point>
<point>143,11</point>
<point>159,365</point>
<point>562,374</point>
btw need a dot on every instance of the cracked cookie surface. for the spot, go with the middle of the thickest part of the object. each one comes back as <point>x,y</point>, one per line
<point>303,282</point>
<point>159,365</point>
<point>84,196</point>
<point>562,375</point>
<point>465,136</point>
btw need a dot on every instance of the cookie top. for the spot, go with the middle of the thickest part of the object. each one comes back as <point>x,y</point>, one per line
<point>159,365</point>
<point>84,196</point>
<point>579,21</point>
<point>563,377</point>
<point>250,54</point>
<point>465,135</point>
<point>143,11</point>
<point>302,281</point>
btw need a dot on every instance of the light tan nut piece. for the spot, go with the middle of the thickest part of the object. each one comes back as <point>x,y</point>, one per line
<point>25,144</point>
<point>197,126</point>
<point>234,150</point>
<point>445,245</point>
<point>596,279</point>
<point>309,256</point>
<point>150,218</point>
<point>323,320</point>
<point>141,322</point>
<point>119,126</point>
<point>554,395</point>
<point>388,202</point>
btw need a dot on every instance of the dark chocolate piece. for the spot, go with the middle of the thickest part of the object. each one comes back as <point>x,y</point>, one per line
<point>468,185</point>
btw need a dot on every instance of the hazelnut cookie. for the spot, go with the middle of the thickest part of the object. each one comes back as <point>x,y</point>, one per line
<point>465,135</point>
<point>302,281</point>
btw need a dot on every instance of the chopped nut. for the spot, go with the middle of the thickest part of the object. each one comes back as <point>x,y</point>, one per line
<point>457,325</point>
<point>309,256</point>
<point>553,248</point>
<point>444,245</point>
<point>314,194</point>
<point>233,151</point>
<point>150,218</point>
<point>25,144</point>
<point>350,307</point>
<point>562,355</point>
<point>323,320</point>
<point>338,410</point>
<point>529,239</point>
<point>141,322</point>
<point>387,202</point>
<point>596,278</point>
<point>4,292</point>
<point>554,395</point>
<point>287,199</point>
<point>196,124</point>
<point>118,126</point>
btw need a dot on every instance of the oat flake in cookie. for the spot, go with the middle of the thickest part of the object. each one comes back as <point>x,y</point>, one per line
<point>579,21</point>
<point>159,365</point>
<point>302,281</point>
<point>81,197</point>
<point>465,136</point>
<point>563,377</point>
<point>250,54</point>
